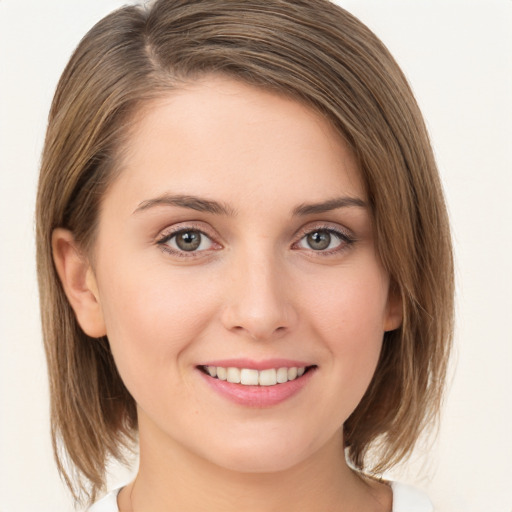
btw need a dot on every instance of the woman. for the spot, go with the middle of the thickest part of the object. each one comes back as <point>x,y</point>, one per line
<point>244,260</point>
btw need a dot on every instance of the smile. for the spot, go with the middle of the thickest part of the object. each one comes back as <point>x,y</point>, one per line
<point>252,377</point>
<point>259,384</point>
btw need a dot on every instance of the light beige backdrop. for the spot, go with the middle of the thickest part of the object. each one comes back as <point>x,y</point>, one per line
<point>458,57</point>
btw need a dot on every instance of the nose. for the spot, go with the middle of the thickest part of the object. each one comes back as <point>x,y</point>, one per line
<point>259,299</point>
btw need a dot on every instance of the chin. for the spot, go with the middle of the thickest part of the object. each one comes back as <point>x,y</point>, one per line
<point>261,455</point>
<point>257,463</point>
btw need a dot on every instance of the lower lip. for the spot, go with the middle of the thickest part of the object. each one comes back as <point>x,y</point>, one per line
<point>258,396</point>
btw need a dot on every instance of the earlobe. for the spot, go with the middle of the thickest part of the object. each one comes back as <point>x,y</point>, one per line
<point>394,310</point>
<point>79,282</point>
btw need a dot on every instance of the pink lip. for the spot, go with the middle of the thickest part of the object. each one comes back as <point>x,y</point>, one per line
<point>257,396</point>
<point>257,365</point>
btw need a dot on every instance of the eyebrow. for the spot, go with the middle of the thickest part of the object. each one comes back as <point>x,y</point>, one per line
<point>186,201</point>
<point>329,205</point>
<point>218,208</point>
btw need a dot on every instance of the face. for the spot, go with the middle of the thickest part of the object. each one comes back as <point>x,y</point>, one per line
<point>237,244</point>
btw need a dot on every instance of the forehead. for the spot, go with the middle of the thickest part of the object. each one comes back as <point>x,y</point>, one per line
<point>220,137</point>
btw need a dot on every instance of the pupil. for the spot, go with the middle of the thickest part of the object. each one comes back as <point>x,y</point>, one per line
<point>319,240</point>
<point>188,241</point>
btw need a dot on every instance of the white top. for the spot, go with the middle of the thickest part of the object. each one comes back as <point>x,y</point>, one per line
<point>405,499</point>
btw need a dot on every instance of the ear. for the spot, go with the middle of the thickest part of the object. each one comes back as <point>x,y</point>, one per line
<point>79,282</point>
<point>394,309</point>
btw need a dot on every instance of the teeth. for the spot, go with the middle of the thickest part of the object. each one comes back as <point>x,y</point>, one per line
<point>282,375</point>
<point>250,377</point>
<point>233,375</point>
<point>292,373</point>
<point>268,377</point>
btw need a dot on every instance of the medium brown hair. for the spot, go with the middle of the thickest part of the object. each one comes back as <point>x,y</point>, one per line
<point>312,51</point>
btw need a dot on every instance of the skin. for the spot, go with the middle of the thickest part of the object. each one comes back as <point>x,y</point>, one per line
<point>254,289</point>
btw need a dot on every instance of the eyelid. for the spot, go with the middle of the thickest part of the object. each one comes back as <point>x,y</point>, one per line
<point>168,233</point>
<point>346,236</point>
<point>327,226</point>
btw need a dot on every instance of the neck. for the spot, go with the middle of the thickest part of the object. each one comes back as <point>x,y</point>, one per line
<point>178,480</point>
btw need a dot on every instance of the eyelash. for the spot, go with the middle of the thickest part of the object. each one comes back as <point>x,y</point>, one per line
<point>174,232</point>
<point>346,240</point>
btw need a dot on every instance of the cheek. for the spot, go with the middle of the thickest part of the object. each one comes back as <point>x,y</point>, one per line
<point>350,317</point>
<point>352,305</point>
<point>150,321</point>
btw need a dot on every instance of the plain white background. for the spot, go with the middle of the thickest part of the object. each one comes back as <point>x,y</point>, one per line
<point>457,55</point>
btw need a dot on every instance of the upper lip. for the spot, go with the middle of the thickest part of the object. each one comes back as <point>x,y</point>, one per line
<point>251,364</point>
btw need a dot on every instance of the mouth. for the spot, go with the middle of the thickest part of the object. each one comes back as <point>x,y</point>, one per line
<point>252,377</point>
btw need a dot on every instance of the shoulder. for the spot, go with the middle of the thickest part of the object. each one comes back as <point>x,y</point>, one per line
<point>409,499</point>
<point>107,504</point>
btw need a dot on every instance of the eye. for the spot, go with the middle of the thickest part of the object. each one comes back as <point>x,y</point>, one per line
<point>326,240</point>
<point>186,241</point>
<point>319,240</point>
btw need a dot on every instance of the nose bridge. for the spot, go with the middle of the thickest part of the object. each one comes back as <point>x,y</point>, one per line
<point>259,304</point>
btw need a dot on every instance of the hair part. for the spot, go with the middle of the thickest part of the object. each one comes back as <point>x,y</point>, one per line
<point>316,53</point>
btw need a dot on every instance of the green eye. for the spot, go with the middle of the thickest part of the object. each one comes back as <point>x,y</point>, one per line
<point>325,240</point>
<point>188,240</point>
<point>319,240</point>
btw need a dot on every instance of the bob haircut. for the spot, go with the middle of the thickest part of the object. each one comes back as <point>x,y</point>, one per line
<point>316,53</point>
